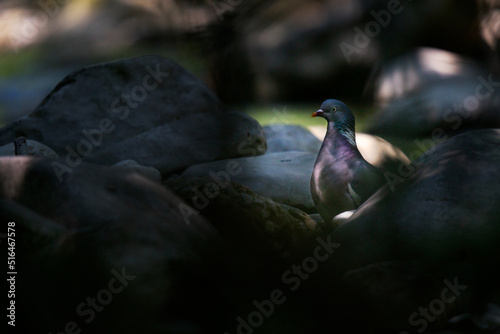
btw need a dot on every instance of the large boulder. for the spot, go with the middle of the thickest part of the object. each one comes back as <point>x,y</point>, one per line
<point>148,109</point>
<point>112,251</point>
<point>443,208</point>
<point>105,234</point>
<point>131,165</point>
<point>413,292</point>
<point>282,176</point>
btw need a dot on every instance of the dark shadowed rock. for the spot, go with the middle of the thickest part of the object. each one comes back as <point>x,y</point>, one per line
<point>436,228</point>
<point>75,236</point>
<point>132,166</point>
<point>78,240</point>
<point>445,209</point>
<point>396,296</point>
<point>148,109</point>
<point>274,237</point>
<point>242,215</point>
<point>487,320</point>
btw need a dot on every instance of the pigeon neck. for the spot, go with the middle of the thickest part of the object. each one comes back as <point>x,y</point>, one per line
<point>339,143</point>
<point>346,129</point>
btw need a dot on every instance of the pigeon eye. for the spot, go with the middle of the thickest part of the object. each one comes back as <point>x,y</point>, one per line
<point>334,109</point>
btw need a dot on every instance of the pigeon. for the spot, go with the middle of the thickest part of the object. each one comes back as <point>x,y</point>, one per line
<point>342,179</point>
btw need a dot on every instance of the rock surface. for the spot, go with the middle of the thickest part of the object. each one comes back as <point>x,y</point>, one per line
<point>240,214</point>
<point>34,149</point>
<point>102,225</point>
<point>132,166</point>
<point>148,109</point>
<point>443,209</point>
<point>436,229</point>
<point>282,176</point>
<point>75,236</point>
<point>398,286</point>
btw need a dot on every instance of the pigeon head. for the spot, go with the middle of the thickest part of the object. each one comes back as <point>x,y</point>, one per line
<point>334,111</point>
<point>339,113</point>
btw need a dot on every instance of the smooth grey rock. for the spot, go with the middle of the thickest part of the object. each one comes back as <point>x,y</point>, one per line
<point>131,165</point>
<point>444,209</point>
<point>282,176</point>
<point>148,109</point>
<point>284,137</point>
<point>34,149</point>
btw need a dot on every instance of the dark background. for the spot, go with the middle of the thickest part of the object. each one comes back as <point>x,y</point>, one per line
<point>249,52</point>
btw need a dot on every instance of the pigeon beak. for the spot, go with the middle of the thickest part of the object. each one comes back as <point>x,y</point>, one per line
<point>317,113</point>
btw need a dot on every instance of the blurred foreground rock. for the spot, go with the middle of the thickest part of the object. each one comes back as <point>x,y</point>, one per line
<point>445,207</point>
<point>75,236</point>
<point>132,166</point>
<point>110,239</point>
<point>430,92</point>
<point>407,289</point>
<point>444,214</point>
